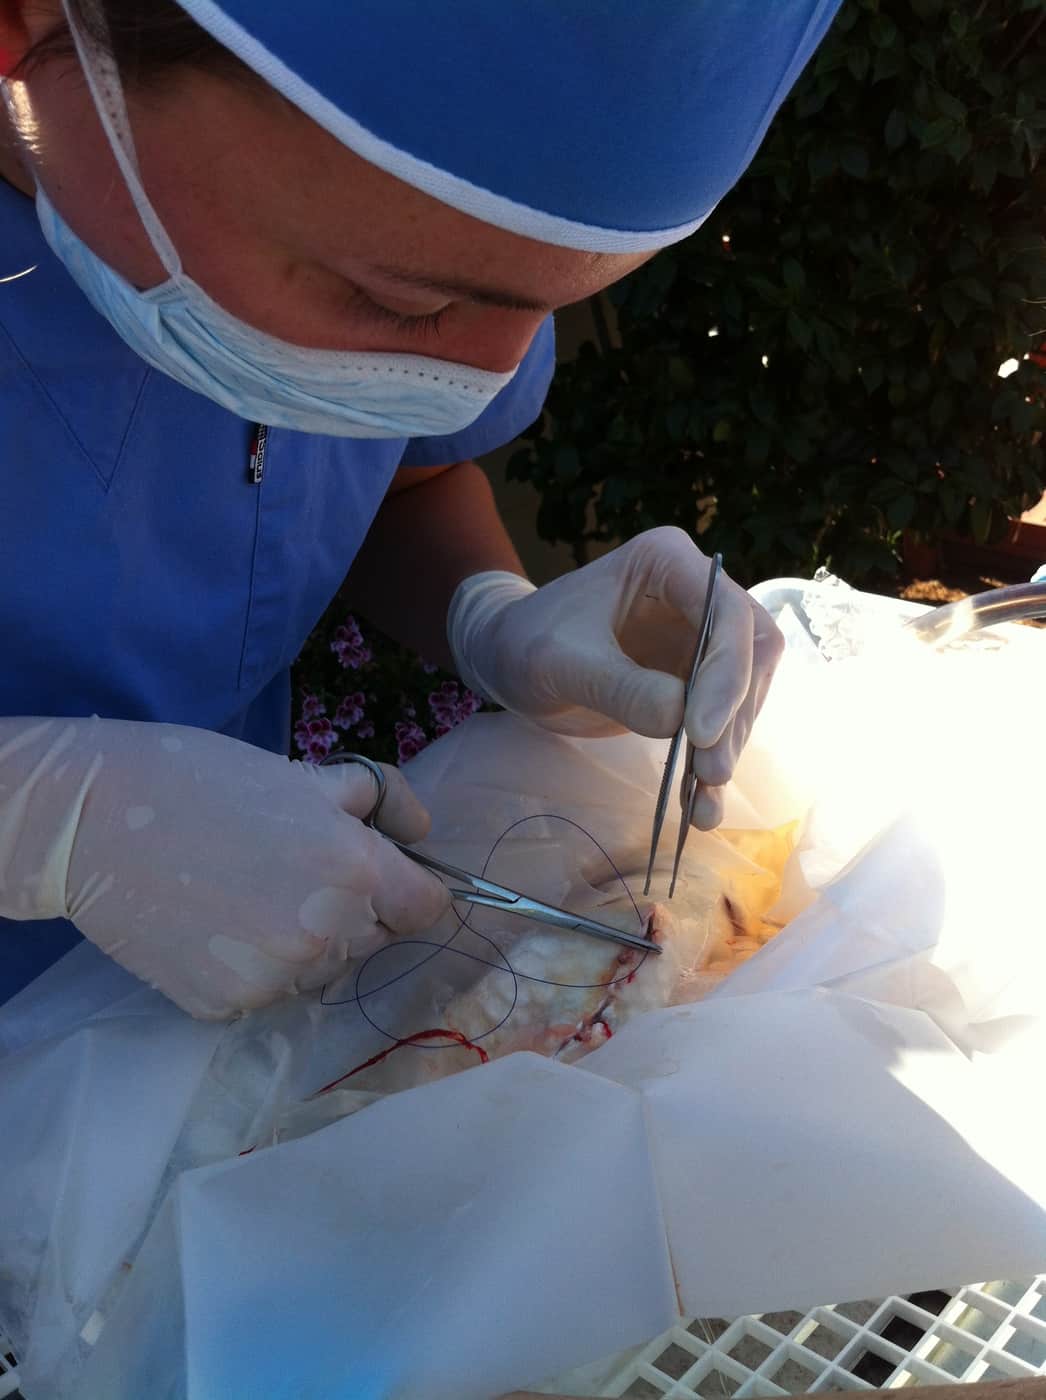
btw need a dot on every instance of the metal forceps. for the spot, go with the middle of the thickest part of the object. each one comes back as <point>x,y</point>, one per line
<point>690,782</point>
<point>475,890</point>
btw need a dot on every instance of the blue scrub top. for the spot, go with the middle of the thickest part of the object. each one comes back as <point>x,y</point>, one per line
<point>143,573</point>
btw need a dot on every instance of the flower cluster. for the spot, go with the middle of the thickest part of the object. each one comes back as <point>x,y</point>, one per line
<point>410,739</point>
<point>350,710</point>
<point>348,645</point>
<point>401,705</point>
<point>314,734</point>
<point>450,705</point>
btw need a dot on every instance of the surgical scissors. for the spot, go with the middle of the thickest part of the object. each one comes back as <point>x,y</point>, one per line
<point>476,890</point>
<point>690,781</point>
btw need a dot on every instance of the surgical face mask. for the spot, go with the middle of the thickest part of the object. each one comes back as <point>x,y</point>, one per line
<point>179,329</point>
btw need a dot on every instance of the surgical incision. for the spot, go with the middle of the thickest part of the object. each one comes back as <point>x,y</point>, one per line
<point>562,993</point>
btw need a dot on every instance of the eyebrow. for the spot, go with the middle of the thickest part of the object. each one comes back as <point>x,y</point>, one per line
<point>486,296</point>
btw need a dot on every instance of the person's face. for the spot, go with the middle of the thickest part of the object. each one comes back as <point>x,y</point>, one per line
<point>281,224</point>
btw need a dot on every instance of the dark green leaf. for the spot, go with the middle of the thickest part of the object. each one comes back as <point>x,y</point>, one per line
<point>822,162</point>
<point>794,277</point>
<point>888,63</point>
<point>1023,415</point>
<point>854,160</point>
<point>949,105</point>
<point>1012,291</point>
<point>796,444</point>
<point>757,446</point>
<point>952,502</point>
<point>858,61</point>
<point>872,375</point>
<point>905,266</point>
<point>680,374</point>
<point>567,463</point>
<point>981,521</point>
<point>883,31</point>
<point>993,84</point>
<point>959,146</point>
<point>896,129</point>
<point>956,306</point>
<point>941,408</point>
<point>976,291</point>
<point>799,330</point>
<point>676,420</point>
<point>762,408</point>
<point>961,255</point>
<point>812,99</point>
<point>767,290</point>
<point>984,168</point>
<point>961,362</point>
<point>936,133</point>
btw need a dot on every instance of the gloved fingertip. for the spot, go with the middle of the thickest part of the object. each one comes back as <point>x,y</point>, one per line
<point>407,821</point>
<point>429,900</point>
<point>708,809</point>
<point>440,897</point>
<point>353,788</point>
<point>646,701</point>
<point>403,815</point>
<point>709,713</point>
<point>715,766</point>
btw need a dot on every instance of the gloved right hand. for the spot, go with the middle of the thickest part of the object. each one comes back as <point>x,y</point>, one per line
<point>224,875</point>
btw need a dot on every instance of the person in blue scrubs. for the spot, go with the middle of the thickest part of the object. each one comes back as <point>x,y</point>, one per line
<point>271,277</point>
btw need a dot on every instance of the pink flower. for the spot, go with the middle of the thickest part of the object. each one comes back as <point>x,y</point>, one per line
<point>410,740</point>
<point>449,707</point>
<point>365,730</point>
<point>312,706</point>
<point>314,738</point>
<point>348,645</point>
<point>350,710</point>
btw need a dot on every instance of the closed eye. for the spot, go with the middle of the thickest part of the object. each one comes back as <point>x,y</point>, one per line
<point>426,323</point>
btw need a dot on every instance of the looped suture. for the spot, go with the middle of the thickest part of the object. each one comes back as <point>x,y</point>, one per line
<point>371,819</point>
<point>360,995</point>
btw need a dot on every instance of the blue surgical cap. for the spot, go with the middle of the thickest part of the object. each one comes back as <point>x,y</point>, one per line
<point>607,125</point>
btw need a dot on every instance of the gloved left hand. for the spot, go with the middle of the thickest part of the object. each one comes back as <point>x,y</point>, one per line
<point>608,647</point>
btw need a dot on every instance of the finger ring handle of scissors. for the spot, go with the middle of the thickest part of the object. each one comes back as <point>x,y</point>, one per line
<point>375,770</point>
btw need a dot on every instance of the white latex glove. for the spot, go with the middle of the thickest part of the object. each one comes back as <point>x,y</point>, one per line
<point>608,648</point>
<point>224,875</point>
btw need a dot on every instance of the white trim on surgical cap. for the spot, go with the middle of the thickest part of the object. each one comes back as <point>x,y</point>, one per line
<point>450,189</point>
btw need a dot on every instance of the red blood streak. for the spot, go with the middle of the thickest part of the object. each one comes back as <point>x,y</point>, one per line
<point>455,1036</point>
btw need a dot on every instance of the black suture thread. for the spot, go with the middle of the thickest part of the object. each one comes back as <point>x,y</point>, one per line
<point>359,996</point>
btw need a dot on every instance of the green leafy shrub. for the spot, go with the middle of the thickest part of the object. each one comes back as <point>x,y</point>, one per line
<point>816,369</point>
